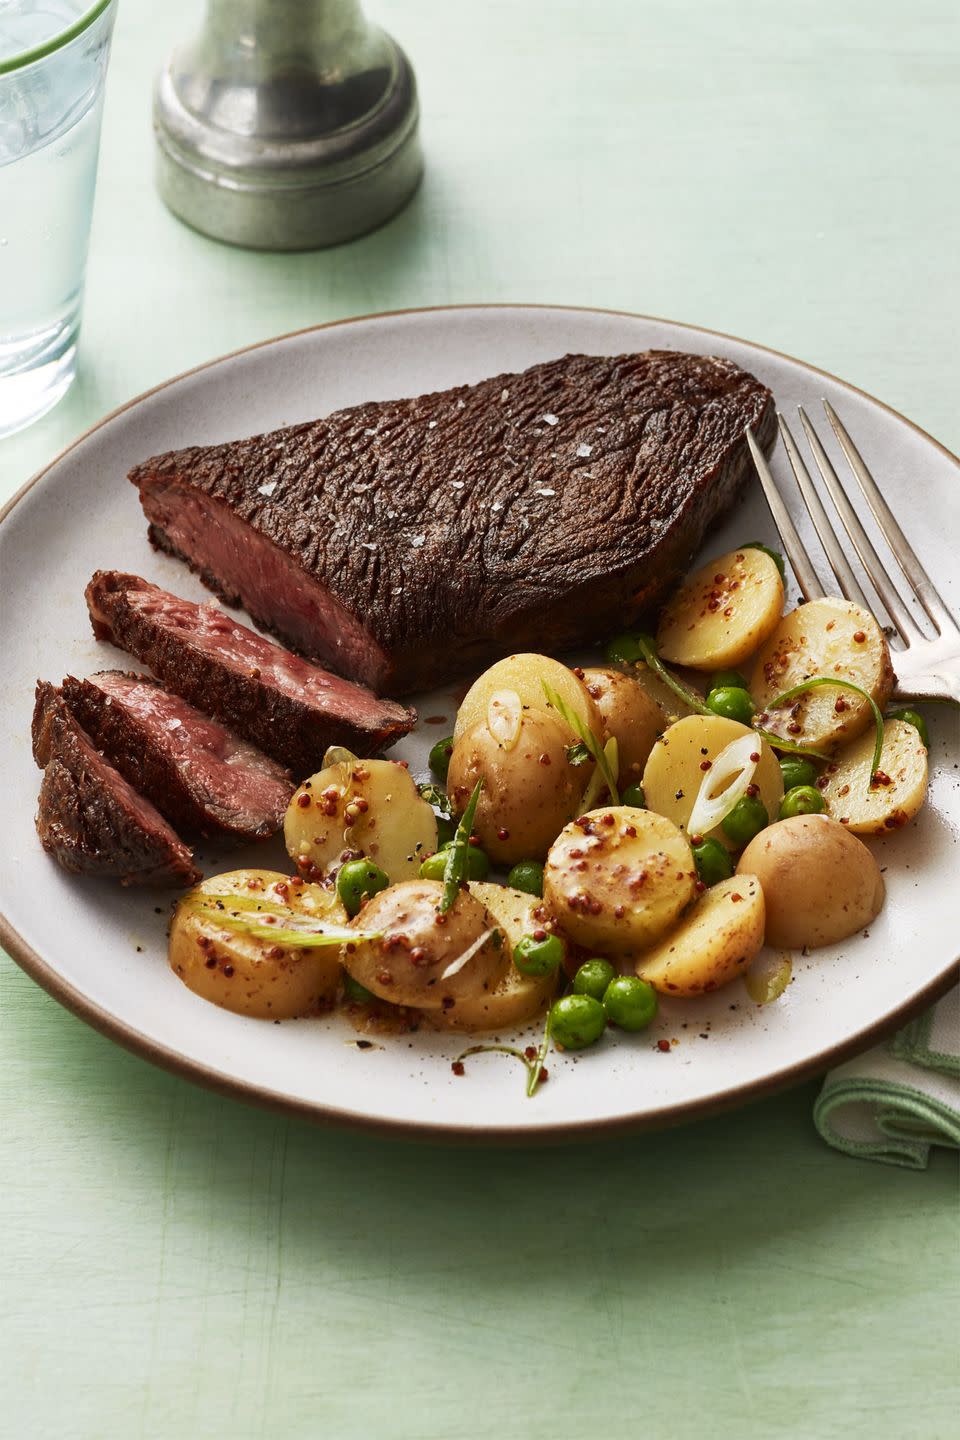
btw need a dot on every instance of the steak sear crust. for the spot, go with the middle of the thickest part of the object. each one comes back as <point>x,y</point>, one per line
<point>89,818</point>
<point>405,542</point>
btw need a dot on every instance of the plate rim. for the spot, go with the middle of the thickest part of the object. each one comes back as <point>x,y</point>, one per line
<point>209,1077</point>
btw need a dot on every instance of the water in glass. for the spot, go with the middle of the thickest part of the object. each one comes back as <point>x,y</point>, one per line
<point>49,136</point>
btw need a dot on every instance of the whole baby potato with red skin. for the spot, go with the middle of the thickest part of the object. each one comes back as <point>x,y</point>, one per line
<point>820,883</point>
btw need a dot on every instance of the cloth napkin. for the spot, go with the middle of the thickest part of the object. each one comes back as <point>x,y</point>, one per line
<point>898,1099</point>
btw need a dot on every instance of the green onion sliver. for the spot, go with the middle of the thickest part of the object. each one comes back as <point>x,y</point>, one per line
<point>767,978</point>
<point>457,855</point>
<point>292,928</point>
<point>605,756</point>
<point>789,747</point>
<point>653,662</point>
<point>815,684</point>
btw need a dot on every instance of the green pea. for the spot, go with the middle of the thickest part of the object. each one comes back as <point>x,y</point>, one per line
<point>630,1003</point>
<point>577,1021</point>
<point>357,881</point>
<point>914,718</point>
<point>434,867</point>
<point>633,795</point>
<point>712,861</point>
<point>538,957</point>
<point>732,703</point>
<point>439,758</point>
<point>728,680</point>
<point>801,800</point>
<point>353,990</point>
<point>796,772</point>
<point>527,875</point>
<point>478,863</point>
<point>623,650</point>
<point>593,977</point>
<point>747,818</point>
<point>775,555</point>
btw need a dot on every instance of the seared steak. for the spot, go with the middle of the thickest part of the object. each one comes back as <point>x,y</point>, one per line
<point>289,708</point>
<point>200,776</point>
<point>89,818</point>
<point>403,542</point>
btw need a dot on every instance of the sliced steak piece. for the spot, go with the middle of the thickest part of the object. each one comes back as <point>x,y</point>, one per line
<point>204,779</point>
<point>289,708</point>
<point>404,542</point>
<point>89,819</point>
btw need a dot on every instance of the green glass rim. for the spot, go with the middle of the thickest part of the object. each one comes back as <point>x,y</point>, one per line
<point>22,58</point>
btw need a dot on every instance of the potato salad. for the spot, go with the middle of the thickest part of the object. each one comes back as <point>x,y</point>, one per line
<point>590,839</point>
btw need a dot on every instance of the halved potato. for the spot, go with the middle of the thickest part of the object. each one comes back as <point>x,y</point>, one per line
<point>714,942</point>
<point>360,807</point>
<point>723,613</point>
<point>524,675</point>
<point>675,770</point>
<point>617,878</point>
<point>824,637</point>
<point>530,789</point>
<point>248,975</point>
<point>516,998</point>
<point>869,809</point>
<point>423,957</point>
<point>630,715</point>
<point>820,883</point>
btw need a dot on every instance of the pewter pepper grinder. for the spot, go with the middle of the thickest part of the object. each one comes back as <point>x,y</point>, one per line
<point>287,125</point>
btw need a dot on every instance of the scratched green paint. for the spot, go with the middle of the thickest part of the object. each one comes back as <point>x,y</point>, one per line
<point>175,1265</point>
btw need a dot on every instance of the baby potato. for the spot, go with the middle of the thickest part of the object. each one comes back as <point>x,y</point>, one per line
<point>824,637</point>
<point>617,878</point>
<point>820,883</point>
<point>359,807</point>
<point>524,676</point>
<point>248,975</point>
<point>417,959</point>
<point>630,715</point>
<point>674,772</point>
<point>530,789</point>
<point>714,942</point>
<point>720,616</point>
<point>516,998</point>
<point>877,809</point>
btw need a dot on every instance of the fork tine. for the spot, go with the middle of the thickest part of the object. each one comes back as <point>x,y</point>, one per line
<point>796,552</point>
<point>870,560</point>
<point>848,582</point>
<point>900,546</point>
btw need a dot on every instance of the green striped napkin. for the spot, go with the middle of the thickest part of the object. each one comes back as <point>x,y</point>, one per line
<point>898,1099</point>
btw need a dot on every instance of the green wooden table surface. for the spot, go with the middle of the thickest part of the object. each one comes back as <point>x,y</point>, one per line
<point>176,1265</point>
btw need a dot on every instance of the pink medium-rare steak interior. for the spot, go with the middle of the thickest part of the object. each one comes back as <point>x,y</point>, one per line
<point>248,569</point>
<point>407,542</point>
<point>200,775</point>
<point>289,708</point>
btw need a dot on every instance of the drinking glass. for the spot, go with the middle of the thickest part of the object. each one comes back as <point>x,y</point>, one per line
<point>53,60</point>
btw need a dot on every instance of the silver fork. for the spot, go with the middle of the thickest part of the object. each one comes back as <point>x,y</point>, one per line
<point>928,668</point>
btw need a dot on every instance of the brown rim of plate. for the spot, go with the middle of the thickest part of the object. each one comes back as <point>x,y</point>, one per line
<point>130,1039</point>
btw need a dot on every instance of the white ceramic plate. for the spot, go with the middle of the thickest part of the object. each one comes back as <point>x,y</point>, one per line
<point>100,950</point>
